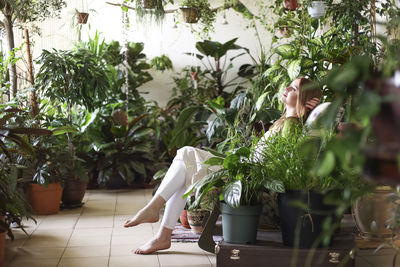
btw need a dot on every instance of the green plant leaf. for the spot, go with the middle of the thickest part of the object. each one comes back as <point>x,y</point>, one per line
<point>294,69</point>
<point>327,164</point>
<point>275,186</point>
<point>286,51</point>
<point>232,193</point>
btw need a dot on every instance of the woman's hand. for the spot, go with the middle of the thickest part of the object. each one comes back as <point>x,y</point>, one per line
<point>312,103</point>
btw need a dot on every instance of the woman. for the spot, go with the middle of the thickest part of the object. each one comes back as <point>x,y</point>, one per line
<point>188,167</point>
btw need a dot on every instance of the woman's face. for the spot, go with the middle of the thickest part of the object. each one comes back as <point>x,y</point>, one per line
<point>291,93</point>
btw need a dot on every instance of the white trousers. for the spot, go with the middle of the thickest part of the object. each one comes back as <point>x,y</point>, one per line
<point>171,190</point>
<point>187,167</point>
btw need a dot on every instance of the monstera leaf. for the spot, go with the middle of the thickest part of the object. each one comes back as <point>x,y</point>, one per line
<point>232,193</point>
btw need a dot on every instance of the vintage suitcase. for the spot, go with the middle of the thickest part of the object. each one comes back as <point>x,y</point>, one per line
<point>269,252</point>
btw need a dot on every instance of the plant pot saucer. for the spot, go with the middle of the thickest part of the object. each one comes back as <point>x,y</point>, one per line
<point>71,206</point>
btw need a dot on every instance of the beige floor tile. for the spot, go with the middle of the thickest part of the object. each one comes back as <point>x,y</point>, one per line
<point>134,260</point>
<point>59,222</point>
<point>89,241</point>
<point>17,242</point>
<point>182,258</point>
<point>83,252</point>
<point>213,259</point>
<point>76,211</point>
<point>142,230</point>
<point>84,262</point>
<point>48,238</point>
<point>9,254</point>
<point>40,252</point>
<point>25,262</point>
<point>125,250</point>
<point>127,240</point>
<point>92,232</point>
<point>95,222</point>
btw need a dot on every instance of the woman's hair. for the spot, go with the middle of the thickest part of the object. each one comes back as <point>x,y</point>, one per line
<point>304,96</point>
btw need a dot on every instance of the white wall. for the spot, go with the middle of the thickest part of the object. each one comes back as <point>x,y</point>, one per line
<point>107,19</point>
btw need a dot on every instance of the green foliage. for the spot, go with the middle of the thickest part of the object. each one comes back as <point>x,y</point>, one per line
<point>238,179</point>
<point>218,68</point>
<point>148,10</point>
<point>31,11</point>
<point>74,77</point>
<point>207,16</point>
<point>12,204</point>
<point>122,150</point>
<point>161,63</point>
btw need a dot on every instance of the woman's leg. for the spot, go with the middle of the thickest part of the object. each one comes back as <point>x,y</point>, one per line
<point>173,182</point>
<point>163,238</point>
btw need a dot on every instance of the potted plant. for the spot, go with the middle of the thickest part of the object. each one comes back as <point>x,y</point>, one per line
<point>78,79</point>
<point>317,9</point>
<point>308,198</point>
<point>238,184</point>
<point>123,151</point>
<point>194,11</point>
<point>82,17</point>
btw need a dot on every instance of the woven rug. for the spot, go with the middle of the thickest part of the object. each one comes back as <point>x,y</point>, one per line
<point>182,234</point>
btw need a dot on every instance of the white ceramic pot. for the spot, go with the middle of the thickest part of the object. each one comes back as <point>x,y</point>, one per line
<point>317,9</point>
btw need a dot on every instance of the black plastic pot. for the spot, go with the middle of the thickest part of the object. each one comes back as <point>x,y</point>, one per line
<point>73,192</point>
<point>299,225</point>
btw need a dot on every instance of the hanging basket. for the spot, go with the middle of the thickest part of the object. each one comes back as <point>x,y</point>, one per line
<point>317,9</point>
<point>291,4</point>
<point>190,15</point>
<point>149,4</point>
<point>82,17</point>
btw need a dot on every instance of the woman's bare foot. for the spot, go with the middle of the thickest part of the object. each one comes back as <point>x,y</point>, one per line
<point>145,215</point>
<point>149,214</point>
<point>153,245</point>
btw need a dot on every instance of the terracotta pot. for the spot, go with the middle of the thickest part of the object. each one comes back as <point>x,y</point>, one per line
<point>372,213</point>
<point>82,17</point>
<point>3,234</point>
<point>184,219</point>
<point>285,31</point>
<point>195,218</point>
<point>291,4</point>
<point>73,192</point>
<point>45,200</point>
<point>190,15</point>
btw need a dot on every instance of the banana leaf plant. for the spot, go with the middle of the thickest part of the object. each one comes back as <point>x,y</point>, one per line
<point>217,64</point>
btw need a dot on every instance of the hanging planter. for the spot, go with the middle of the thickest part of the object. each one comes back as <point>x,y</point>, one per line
<point>82,17</point>
<point>317,9</point>
<point>190,15</point>
<point>291,4</point>
<point>149,4</point>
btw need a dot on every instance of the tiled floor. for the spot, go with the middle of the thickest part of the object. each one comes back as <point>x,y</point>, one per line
<point>94,236</point>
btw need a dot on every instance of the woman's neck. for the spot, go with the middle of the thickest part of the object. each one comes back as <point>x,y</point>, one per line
<point>291,112</point>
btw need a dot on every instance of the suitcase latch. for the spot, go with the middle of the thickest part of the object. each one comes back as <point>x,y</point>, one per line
<point>217,248</point>
<point>235,254</point>
<point>334,257</point>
